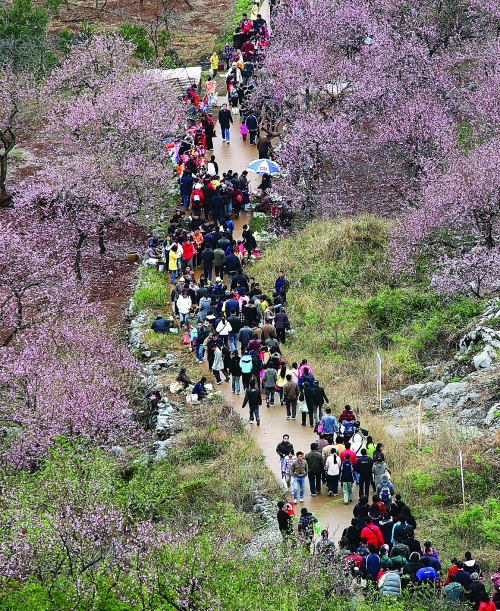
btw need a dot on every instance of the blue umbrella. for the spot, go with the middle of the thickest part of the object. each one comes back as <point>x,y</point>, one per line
<point>264,166</point>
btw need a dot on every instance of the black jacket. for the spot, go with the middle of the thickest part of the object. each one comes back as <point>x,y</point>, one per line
<point>252,397</point>
<point>363,467</point>
<point>225,118</point>
<point>231,263</point>
<point>284,448</point>
<point>161,325</point>
<point>235,323</point>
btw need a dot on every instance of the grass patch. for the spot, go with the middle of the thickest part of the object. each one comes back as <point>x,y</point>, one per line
<point>153,290</point>
<point>345,306</point>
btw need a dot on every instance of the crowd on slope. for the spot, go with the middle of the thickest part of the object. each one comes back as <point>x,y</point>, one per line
<point>380,547</point>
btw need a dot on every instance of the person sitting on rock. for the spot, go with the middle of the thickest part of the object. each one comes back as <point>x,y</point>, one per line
<point>160,325</point>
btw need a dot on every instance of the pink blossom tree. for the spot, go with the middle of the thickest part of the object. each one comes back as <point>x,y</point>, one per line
<point>455,229</point>
<point>69,379</point>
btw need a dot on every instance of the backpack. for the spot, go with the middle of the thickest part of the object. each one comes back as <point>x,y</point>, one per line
<point>239,198</point>
<point>346,471</point>
<point>196,198</point>
<point>344,540</point>
<point>385,494</point>
<point>349,428</point>
<point>234,94</point>
<point>256,362</point>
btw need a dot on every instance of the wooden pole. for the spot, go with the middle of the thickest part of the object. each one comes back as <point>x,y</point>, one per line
<point>419,427</point>
<point>462,477</point>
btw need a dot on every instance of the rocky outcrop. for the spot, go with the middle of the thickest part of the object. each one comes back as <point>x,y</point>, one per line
<point>468,387</point>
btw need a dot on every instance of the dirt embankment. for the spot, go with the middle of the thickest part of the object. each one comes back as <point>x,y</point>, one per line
<point>194,24</point>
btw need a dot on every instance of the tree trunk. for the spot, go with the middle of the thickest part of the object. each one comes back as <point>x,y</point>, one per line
<point>102,246</point>
<point>81,239</point>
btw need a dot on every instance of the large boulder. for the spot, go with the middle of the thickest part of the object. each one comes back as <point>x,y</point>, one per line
<point>482,360</point>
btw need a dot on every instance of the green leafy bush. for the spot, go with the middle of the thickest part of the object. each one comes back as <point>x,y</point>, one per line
<point>153,290</point>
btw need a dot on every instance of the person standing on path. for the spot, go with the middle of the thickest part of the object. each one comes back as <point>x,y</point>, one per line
<point>254,400</point>
<point>300,470</point>
<point>225,120</point>
<point>347,478</point>
<point>284,448</point>
<point>315,468</point>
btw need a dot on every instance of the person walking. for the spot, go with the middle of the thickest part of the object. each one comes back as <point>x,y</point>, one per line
<point>291,394</point>
<point>378,469</point>
<point>281,324</point>
<point>219,255</point>
<point>284,448</point>
<point>299,471</point>
<point>332,467</point>
<point>270,379</point>
<point>218,364</point>
<point>363,467</point>
<point>319,400</point>
<point>225,120</point>
<point>235,371</point>
<point>186,183</point>
<point>347,478</point>
<point>184,304</point>
<point>286,468</point>
<point>282,285</point>
<point>254,400</point>
<point>264,147</point>
<point>246,370</point>
<point>330,424</point>
<point>207,257</point>
<point>285,521</point>
<point>315,468</point>
<point>252,126</point>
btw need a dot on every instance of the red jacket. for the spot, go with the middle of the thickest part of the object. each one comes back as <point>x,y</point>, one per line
<point>373,535</point>
<point>348,416</point>
<point>201,196</point>
<point>352,456</point>
<point>188,251</point>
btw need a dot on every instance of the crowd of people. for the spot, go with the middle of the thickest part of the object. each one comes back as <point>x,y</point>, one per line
<point>380,546</point>
<point>239,328</point>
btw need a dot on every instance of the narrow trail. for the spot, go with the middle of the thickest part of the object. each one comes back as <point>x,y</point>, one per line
<point>333,514</point>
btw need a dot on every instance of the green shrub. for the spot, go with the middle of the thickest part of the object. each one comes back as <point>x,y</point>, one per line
<point>153,290</point>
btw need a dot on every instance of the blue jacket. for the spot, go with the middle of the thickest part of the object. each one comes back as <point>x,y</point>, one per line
<point>161,325</point>
<point>330,424</point>
<point>370,565</point>
<point>306,378</point>
<point>186,184</point>
<point>246,363</point>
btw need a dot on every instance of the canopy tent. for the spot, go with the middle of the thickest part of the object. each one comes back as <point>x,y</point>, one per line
<point>182,77</point>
